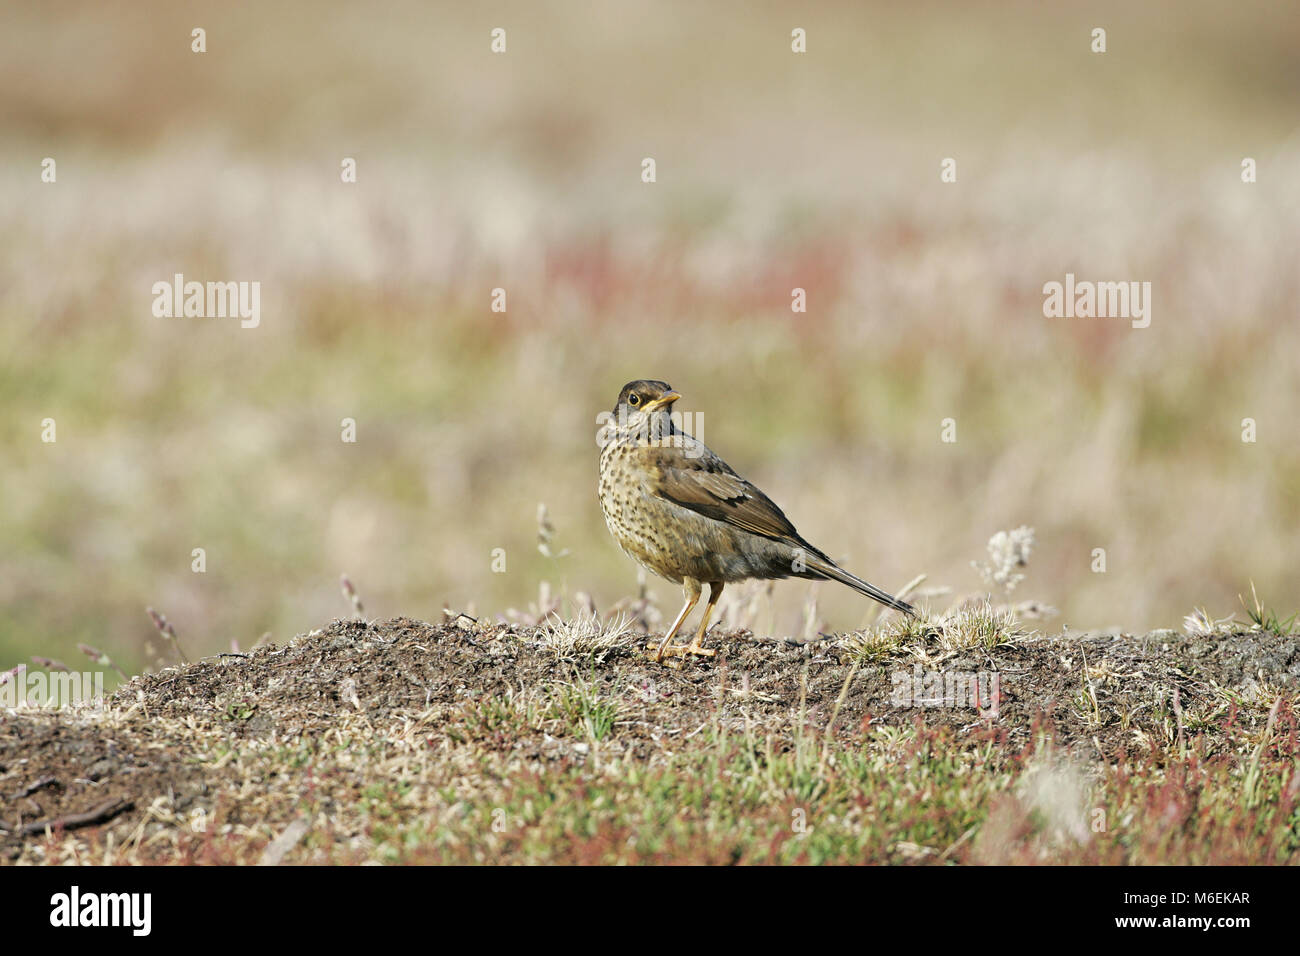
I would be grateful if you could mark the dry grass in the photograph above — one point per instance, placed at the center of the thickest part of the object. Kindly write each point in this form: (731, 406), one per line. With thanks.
(586, 635)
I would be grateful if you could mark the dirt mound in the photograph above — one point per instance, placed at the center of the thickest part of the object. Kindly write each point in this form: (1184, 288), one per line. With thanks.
(233, 743)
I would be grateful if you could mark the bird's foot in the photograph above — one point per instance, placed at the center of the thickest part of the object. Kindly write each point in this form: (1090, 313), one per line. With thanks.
(682, 650)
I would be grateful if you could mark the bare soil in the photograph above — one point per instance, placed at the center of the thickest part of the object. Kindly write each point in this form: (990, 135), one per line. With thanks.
(152, 757)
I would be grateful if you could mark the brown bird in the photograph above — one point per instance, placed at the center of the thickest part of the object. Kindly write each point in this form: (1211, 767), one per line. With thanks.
(682, 512)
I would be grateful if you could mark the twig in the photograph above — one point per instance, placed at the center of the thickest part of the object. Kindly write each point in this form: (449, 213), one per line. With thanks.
(959, 841)
(31, 788)
(830, 724)
(1178, 713)
(286, 841)
(100, 814)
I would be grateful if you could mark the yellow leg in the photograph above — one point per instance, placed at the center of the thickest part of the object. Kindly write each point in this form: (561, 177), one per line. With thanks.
(692, 591)
(715, 591)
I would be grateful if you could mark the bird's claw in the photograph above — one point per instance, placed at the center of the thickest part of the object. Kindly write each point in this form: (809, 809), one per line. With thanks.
(682, 650)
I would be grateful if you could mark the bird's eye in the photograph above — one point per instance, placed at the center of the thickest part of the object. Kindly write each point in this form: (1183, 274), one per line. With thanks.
(634, 399)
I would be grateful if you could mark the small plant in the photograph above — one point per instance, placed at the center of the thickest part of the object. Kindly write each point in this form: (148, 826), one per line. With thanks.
(583, 710)
(585, 634)
(1200, 624)
(1266, 619)
(1085, 703)
(546, 605)
(1008, 551)
(872, 645)
(350, 593)
(979, 625)
(164, 628)
(599, 718)
(239, 710)
(103, 660)
(507, 715)
(546, 534)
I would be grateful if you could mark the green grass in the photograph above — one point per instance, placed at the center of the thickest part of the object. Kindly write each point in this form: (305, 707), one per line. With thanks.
(1266, 618)
(901, 796)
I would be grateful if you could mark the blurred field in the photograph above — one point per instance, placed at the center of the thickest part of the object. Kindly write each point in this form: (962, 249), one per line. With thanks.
(522, 171)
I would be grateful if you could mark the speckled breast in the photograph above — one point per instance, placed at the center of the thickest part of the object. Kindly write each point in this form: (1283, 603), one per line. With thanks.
(632, 514)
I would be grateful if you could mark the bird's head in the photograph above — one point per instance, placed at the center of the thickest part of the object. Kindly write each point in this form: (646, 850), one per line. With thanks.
(644, 397)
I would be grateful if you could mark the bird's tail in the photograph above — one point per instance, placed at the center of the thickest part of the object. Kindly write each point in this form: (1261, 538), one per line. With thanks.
(830, 569)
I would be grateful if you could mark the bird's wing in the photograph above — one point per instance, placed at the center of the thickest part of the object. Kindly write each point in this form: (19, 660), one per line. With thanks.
(706, 484)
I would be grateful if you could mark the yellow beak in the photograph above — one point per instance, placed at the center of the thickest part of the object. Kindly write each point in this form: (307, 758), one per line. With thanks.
(667, 398)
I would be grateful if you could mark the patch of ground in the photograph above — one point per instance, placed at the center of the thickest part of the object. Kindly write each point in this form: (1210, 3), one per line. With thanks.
(470, 741)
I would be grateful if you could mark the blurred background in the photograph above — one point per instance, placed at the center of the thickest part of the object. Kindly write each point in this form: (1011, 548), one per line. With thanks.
(522, 171)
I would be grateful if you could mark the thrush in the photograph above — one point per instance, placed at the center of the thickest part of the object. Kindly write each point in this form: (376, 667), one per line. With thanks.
(682, 512)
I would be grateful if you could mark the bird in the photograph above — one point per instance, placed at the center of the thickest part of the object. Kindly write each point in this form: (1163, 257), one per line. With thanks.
(680, 511)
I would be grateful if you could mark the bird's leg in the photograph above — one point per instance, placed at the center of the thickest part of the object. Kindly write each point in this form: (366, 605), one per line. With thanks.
(692, 592)
(715, 592)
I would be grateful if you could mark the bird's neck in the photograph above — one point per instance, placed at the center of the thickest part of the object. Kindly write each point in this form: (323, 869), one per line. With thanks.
(657, 428)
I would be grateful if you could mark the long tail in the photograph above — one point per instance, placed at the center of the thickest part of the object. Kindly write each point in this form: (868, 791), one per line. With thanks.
(836, 573)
